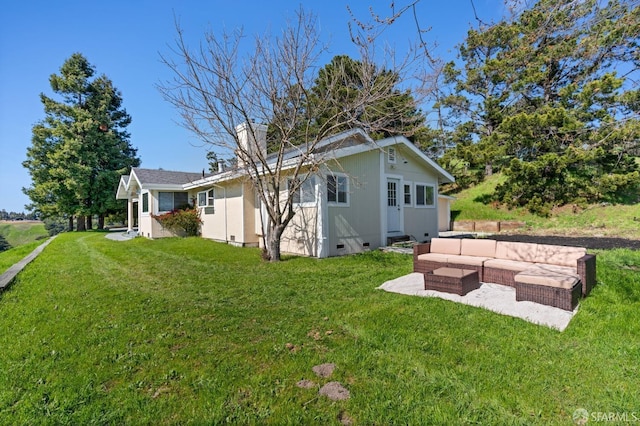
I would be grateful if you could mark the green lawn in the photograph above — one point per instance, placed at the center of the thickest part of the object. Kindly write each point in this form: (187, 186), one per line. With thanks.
(180, 331)
(14, 255)
(19, 233)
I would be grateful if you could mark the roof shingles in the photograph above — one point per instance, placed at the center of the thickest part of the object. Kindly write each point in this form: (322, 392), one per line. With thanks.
(165, 177)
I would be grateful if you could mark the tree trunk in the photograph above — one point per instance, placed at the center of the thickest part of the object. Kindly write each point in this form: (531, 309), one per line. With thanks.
(81, 224)
(488, 169)
(70, 228)
(90, 222)
(273, 242)
(101, 222)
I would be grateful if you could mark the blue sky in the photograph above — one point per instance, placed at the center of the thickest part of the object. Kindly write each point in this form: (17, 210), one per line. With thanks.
(124, 38)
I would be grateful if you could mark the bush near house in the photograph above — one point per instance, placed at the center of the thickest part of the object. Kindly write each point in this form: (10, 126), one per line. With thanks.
(181, 222)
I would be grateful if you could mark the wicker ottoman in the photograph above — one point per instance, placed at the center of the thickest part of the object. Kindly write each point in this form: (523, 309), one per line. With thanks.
(558, 291)
(452, 280)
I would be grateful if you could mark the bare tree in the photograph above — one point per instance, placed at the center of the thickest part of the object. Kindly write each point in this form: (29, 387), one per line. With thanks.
(216, 89)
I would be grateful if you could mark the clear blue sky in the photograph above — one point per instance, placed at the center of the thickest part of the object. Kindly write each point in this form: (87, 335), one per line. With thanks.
(123, 39)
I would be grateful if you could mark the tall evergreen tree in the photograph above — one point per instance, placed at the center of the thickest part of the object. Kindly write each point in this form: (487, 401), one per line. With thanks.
(341, 81)
(80, 148)
(542, 96)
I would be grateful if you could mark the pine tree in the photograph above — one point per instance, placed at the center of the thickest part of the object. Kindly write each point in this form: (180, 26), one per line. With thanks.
(81, 147)
(4, 244)
(540, 97)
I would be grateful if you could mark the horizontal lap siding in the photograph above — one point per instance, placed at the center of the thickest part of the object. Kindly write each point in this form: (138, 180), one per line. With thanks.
(418, 221)
(360, 222)
(300, 236)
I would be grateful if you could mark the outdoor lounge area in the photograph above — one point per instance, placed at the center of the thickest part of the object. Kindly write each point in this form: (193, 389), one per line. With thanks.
(552, 275)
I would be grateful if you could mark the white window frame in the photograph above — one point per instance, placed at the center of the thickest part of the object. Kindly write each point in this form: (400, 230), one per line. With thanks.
(209, 196)
(174, 200)
(404, 194)
(337, 177)
(425, 185)
(308, 186)
(392, 155)
(142, 197)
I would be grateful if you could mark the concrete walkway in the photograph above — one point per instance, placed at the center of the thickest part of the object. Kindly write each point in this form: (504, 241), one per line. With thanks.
(494, 297)
(7, 277)
(121, 234)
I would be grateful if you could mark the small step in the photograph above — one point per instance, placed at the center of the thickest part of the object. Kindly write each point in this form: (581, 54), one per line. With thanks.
(398, 239)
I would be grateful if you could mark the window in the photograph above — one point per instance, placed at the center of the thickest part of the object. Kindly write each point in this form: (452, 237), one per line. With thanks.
(168, 201)
(205, 198)
(407, 194)
(145, 202)
(337, 189)
(425, 195)
(391, 155)
(305, 193)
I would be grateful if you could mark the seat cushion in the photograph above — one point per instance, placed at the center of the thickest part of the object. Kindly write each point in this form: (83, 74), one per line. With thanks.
(468, 260)
(445, 245)
(543, 268)
(547, 279)
(509, 265)
(523, 252)
(434, 257)
(559, 255)
(480, 247)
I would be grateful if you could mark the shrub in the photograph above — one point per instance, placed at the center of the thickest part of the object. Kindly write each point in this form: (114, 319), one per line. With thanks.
(55, 225)
(4, 244)
(186, 220)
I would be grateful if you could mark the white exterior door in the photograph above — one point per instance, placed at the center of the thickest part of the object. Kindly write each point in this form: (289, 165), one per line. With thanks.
(393, 206)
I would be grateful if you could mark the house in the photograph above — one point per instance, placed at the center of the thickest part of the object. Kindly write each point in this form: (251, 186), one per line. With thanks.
(153, 191)
(364, 193)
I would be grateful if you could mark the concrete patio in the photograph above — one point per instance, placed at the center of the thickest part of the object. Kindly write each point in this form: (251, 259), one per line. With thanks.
(494, 297)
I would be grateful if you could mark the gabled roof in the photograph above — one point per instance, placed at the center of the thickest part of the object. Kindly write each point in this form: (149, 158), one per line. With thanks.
(164, 177)
(155, 179)
(343, 144)
(445, 177)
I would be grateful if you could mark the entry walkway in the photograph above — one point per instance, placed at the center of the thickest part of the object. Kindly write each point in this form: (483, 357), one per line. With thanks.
(121, 234)
(494, 297)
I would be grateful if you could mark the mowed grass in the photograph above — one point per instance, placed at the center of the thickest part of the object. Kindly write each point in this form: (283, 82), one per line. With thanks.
(22, 232)
(597, 220)
(14, 255)
(179, 331)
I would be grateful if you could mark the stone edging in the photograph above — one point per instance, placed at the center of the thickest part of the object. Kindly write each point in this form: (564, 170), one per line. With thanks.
(7, 277)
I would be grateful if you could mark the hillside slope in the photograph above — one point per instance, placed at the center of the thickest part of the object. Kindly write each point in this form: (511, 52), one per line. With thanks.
(18, 233)
(595, 220)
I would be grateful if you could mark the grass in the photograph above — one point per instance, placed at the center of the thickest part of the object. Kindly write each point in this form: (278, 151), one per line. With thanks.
(178, 331)
(596, 220)
(14, 255)
(19, 233)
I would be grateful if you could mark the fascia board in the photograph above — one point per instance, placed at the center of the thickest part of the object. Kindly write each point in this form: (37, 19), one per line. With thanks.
(168, 187)
(394, 140)
(215, 179)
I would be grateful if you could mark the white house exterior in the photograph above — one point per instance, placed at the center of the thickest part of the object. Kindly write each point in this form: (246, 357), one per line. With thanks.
(363, 193)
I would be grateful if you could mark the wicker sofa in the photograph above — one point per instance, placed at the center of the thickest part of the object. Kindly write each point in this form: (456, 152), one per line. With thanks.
(549, 274)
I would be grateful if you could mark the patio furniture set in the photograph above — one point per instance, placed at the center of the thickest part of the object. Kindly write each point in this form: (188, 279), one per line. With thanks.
(552, 275)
